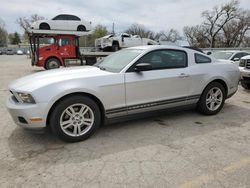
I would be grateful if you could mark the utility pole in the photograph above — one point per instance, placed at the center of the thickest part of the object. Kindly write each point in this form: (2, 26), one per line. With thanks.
(113, 28)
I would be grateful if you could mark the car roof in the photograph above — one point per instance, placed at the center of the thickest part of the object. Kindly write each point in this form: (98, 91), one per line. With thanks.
(159, 47)
(65, 15)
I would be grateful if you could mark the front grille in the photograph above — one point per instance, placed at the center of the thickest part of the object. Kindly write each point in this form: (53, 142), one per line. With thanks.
(248, 64)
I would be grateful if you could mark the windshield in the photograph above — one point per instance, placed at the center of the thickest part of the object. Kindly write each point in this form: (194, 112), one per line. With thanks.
(117, 61)
(222, 55)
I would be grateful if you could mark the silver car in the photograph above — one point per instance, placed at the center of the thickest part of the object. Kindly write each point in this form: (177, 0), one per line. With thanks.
(74, 102)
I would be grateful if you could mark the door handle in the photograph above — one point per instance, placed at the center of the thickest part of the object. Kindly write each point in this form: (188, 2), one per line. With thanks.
(183, 75)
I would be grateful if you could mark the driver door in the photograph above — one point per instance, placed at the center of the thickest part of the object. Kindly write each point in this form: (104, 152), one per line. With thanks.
(166, 85)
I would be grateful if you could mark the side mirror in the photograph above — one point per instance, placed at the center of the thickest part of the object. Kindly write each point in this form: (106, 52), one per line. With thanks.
(209, 53)
(143, 67)
(236, 59)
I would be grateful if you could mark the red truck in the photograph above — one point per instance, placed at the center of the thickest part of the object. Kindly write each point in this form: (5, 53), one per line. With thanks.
(60, 47)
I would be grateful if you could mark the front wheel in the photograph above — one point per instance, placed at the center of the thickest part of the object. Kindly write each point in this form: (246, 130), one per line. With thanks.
(75, 118)
(212, 99)
(115, 47)
(52, 63)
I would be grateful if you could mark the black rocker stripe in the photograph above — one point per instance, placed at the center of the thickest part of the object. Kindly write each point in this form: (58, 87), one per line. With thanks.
(151, 104)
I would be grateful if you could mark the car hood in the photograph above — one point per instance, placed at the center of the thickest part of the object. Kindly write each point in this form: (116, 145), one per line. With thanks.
(34, 81)
(107, 36)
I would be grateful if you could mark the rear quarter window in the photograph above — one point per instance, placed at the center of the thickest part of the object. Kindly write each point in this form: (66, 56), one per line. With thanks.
(202, 59)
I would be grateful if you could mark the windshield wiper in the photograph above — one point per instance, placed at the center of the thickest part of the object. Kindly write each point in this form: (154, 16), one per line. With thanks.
(101, 68)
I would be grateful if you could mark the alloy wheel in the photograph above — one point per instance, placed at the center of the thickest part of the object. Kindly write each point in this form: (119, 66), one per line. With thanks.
(76, 120)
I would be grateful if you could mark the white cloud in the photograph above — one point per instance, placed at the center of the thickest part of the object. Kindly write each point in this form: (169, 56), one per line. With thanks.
(155, 15)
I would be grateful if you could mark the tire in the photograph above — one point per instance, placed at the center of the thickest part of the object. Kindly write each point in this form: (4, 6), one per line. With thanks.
(71, 127)
(245, 86)
(212, 99)
(52, 63)
(81, 28)
(44, 26)
(115, 47)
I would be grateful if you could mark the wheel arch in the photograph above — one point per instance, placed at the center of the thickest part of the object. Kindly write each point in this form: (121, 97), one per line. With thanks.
(53, 57)
(116, 42)
(91, 96)
(44, 23)
(81, 25)
(222, 82)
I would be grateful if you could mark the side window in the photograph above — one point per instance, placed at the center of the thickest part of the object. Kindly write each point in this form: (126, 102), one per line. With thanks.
(202, 59)
(72, 17)
(239, 55)
(59, 17)
(164, 59)
(125, 36)
(64, 41)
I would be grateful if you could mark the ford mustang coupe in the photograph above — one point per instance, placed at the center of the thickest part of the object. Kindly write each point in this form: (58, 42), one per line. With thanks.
(75, 101)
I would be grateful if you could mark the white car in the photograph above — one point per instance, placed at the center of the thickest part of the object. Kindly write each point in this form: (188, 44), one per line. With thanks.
(75, 101)
(124, 40)
(63, 22)
(19, 52)
(245, 72)
(232, 55)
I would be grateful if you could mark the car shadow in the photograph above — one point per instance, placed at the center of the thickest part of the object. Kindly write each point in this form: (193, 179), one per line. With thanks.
(168, 130)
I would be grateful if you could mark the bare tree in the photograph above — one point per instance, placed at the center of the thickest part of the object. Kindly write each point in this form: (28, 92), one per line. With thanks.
(137, 29)
(196, 36)
(224, 26)
(234, 31)
(216, 19)
(25, 23)
(171, 35)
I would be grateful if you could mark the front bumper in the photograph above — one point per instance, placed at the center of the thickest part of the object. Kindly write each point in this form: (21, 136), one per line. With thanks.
(28, 116)
(245, 75)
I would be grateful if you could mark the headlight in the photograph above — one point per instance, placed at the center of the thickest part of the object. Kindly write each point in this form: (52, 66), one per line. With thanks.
(242, 63)
(26, 98)
(40, 58)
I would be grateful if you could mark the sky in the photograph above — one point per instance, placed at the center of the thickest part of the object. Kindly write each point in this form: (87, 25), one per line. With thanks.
(155, 15)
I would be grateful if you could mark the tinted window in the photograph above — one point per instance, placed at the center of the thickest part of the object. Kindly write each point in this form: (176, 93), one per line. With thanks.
(125, 36)
(201, 59)
(66, 17)
(59, 17)
(162, 59)
(72, 17)
(239, 55)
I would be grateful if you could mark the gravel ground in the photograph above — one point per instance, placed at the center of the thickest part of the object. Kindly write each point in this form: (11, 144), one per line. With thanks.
(181, 149)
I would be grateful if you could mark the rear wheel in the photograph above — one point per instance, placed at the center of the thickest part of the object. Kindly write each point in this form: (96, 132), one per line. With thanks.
(44, 26)
(245, 86)
(81, 28)
(212, 99)
(52, 63)
(75, 118)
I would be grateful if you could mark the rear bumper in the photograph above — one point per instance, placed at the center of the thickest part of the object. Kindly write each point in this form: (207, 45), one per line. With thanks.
(28, 116)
